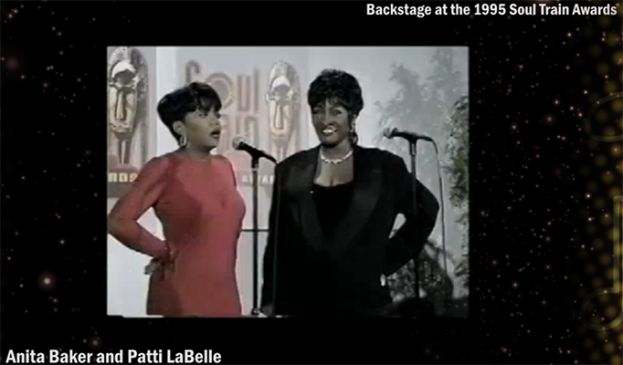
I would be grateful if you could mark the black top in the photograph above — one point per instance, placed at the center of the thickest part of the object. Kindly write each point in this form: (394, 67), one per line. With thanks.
(332, 204)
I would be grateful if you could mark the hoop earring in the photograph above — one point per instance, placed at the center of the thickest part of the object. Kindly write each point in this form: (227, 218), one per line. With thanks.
(353, 136)
(183, 141)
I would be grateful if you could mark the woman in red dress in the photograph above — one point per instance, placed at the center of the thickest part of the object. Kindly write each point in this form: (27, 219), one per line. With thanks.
(193, 193)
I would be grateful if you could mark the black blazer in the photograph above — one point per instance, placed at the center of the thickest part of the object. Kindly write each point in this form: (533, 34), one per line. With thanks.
(342, 277)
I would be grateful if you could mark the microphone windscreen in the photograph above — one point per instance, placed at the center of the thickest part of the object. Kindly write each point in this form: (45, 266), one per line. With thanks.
(236, 142)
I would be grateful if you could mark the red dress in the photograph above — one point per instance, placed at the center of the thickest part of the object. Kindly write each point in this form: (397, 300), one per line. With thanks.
(201, 212)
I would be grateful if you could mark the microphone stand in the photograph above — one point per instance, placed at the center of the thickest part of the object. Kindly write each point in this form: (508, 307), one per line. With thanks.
(239, 144)
(275, 312)
(254, 167)
(416, 285)
(412, 138)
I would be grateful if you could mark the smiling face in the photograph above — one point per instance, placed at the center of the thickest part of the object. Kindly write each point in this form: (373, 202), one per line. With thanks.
(332, 123)
(335, 101)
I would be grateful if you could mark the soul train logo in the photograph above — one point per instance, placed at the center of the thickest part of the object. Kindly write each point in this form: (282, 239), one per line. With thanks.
(264, 110)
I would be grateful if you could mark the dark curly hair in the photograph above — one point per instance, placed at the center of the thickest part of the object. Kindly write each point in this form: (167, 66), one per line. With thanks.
(336, 86)
(195, 96)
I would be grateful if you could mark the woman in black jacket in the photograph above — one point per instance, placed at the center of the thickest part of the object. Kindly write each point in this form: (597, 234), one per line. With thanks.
(333, 210)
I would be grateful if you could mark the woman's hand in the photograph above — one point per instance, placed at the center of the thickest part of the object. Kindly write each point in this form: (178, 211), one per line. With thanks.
(152, 267)
(165, 261)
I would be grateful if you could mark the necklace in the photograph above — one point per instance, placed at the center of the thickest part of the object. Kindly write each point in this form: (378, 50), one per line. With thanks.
(335, 161)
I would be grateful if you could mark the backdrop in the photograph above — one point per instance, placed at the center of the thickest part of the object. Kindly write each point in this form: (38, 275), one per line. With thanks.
(421, 89)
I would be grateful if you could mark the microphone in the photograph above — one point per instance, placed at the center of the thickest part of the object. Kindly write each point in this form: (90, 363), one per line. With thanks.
(409, 136)
(239, 144)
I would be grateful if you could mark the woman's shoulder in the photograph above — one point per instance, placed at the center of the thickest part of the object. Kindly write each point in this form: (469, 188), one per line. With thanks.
(157, 163)
(153, 171)
(224, 162)
(298, 157)
(369, 153)
(172, 160)
(375, 153)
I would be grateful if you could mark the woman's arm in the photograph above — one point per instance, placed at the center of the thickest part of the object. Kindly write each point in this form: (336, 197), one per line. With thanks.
(144, 193)
(411, 237)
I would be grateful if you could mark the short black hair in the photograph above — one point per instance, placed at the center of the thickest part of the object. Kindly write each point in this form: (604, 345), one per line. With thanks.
(195, 96)
(336, 86)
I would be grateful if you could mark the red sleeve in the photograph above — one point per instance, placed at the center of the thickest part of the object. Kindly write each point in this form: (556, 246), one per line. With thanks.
(145, 192)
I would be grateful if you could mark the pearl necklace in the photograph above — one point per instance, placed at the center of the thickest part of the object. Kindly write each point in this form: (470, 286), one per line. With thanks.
(335, 161)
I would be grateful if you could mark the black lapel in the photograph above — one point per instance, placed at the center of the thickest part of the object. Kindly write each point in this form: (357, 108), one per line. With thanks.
(368, 181)
(366, 191)
(300, 183)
